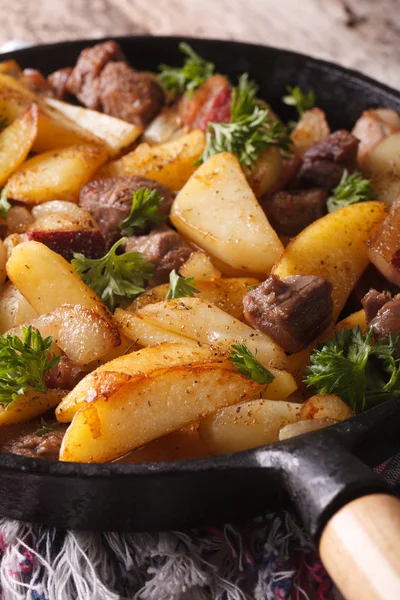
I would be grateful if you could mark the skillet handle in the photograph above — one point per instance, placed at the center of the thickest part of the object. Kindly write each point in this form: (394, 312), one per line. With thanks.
(360, 548)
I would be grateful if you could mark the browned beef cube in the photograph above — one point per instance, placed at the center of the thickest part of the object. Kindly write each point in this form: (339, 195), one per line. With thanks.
(293, 311)
(66, 375)
(88, 242)
(373, 302)
(58, 82)
(164, 248)
(109, 202)
(289, 212)
(382, 313)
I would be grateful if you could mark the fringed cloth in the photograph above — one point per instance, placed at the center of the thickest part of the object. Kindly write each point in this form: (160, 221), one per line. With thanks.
(269, 558)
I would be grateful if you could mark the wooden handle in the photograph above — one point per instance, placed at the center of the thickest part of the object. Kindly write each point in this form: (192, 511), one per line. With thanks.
(360, 548)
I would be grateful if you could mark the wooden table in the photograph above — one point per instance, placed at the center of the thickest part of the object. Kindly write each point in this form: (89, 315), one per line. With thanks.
(362, 34)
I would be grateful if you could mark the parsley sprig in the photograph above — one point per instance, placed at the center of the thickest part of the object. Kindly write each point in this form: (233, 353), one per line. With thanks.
(46, 427)
(179, 287)
(249, 131)
(144, 210)
(352, 188)
(361, 373)
(248, 365)
(194, 72)
(24, 364)
(115, 276)
(4, 204)
(300, 100)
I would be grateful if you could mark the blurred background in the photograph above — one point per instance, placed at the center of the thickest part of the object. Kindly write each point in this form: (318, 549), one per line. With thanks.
(362, 34)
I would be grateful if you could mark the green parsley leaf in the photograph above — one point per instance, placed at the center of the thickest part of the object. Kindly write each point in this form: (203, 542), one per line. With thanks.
(46, 427)
(350, 190)
(193, 74)
(302, 101)
(24, 364)
(144, 209)
(348, 365)
(248, 365)
(115, 276)
(179, 287)
(4, 204)
(249, 131)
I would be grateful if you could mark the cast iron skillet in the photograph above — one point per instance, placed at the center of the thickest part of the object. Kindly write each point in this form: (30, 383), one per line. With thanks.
(318, 472)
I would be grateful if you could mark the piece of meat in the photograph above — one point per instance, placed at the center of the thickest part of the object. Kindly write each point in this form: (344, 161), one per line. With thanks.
(289, 212)
(293, 311)
(58, 82)
(290, 166)
(164, 248)
(128, 94)
(37, 83)
(66, 375)
(210, 102)
(324, 163)
(384, 247)
(90, 243)
(22, 439)
(373, 302)
(109, 202)
(372, 127)
(83, 82)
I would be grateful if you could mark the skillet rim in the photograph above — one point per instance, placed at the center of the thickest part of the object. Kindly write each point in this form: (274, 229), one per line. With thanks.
(48, 467)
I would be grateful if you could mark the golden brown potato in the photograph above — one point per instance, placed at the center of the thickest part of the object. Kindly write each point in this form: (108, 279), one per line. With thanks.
(300, 427)
(382, 166)
(200, 267)
(372, 127)
(356, 319)
(311, 129)
(265, 172)
(14, 308)
(247, 425)
(16, 141)
(11, 68)
(171, 163)
(29, 406)
(18, 219)
(321, 406)
(384, 246)
(217, 211)
(334, 247)
(145, 407)
(55, 174)
(61, 215)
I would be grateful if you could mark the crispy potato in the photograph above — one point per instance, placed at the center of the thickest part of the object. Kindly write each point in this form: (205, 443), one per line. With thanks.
(217, 211)
(171, 163)
(29, 406)
(200, 267)
(58, 215)
(55, 174)
(146, 407)
(115, 133)
(11, 68)
(265, 172)
(356, 319)
(300, 427)
(48, 281)
(382, 166)
(54, 129)
(384, 246)
(203, 322)
(334, 247)
(311, 129)
(372, 127)
(321, 406)
(247, 425)
(227, 294)
(144, 332)
(167, 125)
(14, 309)
(3, 261)
(81, 333)
(16, 141)
(18, 219)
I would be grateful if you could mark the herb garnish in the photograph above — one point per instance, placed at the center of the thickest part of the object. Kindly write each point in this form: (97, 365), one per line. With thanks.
(248, 365)
(4, 204)
(179, 287)
(115, 276)
(195, 71)
(349, 365)
(300, 100)
(46, 427)
(144, 208)
(24, 364)
(249, 131)
(350, 190)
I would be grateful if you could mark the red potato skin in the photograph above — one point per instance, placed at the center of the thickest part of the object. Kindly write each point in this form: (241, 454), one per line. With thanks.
(89, 243)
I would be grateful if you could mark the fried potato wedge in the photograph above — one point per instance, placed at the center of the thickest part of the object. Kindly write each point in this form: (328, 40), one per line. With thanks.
(54, 129)
(81, 333)
(321, 406)
(146, 407)
(247, 425)
(311, 129)
(14, 308)
(3, 261)
(16, 141)
(225, 293)
(171, 163)
(57, 174)
(30, 405)
(293, 429)
(356, 319)
(48, 281)
(199, 266)
(11, 68)
(115, 133)
(266, 171)
(381, 165)
(217, 211)
(334, 247)
(206, 323)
